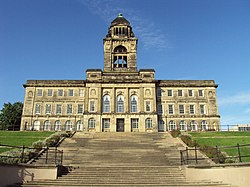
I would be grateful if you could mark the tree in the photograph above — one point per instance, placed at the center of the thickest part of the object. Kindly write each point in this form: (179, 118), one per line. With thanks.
(10, 116)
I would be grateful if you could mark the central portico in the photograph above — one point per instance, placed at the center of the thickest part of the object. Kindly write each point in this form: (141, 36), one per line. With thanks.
(124, 90)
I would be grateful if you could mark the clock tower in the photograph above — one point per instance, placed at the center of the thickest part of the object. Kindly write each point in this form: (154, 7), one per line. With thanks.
(120, 47)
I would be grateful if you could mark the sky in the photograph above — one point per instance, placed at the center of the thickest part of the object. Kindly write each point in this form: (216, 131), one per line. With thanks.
(180, 39)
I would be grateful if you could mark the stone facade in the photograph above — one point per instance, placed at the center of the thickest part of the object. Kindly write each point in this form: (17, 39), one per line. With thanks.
(120, 98)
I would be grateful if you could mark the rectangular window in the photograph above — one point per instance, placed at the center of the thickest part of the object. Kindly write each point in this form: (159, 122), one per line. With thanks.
(80, 108)
(180, 93)
(47, 109)
(106, 123)
(58, 109)
(92, 106)
(200, 93)
(71, 92)
(148, 108)
(38, 109)
(159, 109)
(171, 109)
(60, 92)
(50, 92)
(134, 123)
(202, 109)
(81, 93)
(191, 109)
(190, 93)
(39, 92)
(69, 109)
(170, 93)
(181, 109)
(159, 92)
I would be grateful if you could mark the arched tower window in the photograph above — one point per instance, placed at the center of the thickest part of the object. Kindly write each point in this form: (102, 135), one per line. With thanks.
(120, 103)
(120, 57)
(106, 103)
(133, 103)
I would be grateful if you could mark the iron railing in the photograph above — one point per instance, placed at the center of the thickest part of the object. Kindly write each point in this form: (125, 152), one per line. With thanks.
(191, 154)
(24, 154)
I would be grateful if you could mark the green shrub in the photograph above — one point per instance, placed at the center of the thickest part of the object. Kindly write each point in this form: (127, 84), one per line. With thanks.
(216, 155)
(38, 144)
(175, 133)
(50, 141)
(187, 139)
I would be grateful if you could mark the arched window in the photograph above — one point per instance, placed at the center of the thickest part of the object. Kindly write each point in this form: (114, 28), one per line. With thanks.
(91, 123)
(204, 125)
(171, 125)
(148, 123)
(79, 125)
(133, 103)
(106, 103)
(120, 57)
(47, 125)
(183, 125)
(68, 125)
(57, 125)
(193, 125)
(36, 126)
(120, 103)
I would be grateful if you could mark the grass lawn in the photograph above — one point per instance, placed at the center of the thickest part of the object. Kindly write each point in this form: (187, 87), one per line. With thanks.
(20, 138)
(225, 139)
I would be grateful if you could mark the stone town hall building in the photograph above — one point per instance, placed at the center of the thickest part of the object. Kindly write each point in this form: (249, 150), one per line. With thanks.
(120, 98)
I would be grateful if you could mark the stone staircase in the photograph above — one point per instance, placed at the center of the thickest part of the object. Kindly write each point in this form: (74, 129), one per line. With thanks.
(122, 159)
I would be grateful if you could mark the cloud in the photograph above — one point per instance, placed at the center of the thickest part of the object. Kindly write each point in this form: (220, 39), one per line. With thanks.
(149, 35)
(243, 98)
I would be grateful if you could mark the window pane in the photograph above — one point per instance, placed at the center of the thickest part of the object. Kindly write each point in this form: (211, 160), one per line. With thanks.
(170, 92)
(120, 104)
(48, 109)
(69, 109)
(81, 92)
(58, 109)
(91, 123)
(49, 92)
(68, 125)
(159, 109)
(180, 93)
(134, 123)
(148, 107)
(38, 109)
(202, 109)
(133, 104)
(148, 123)
(80, 108)
(181, 109)
(201, 93)
(191, 109)
(71, 92)
(159, 92)
(171, 109)
(92, 106)
(39, 92)
(190, 93)
(106, 123)
(57, 125)
(106, 103)
(60, 92)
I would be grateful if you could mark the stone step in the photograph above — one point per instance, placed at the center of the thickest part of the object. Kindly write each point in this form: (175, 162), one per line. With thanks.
(122, 159)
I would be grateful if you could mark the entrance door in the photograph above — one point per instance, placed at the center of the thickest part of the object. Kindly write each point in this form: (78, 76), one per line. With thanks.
(119, 125)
